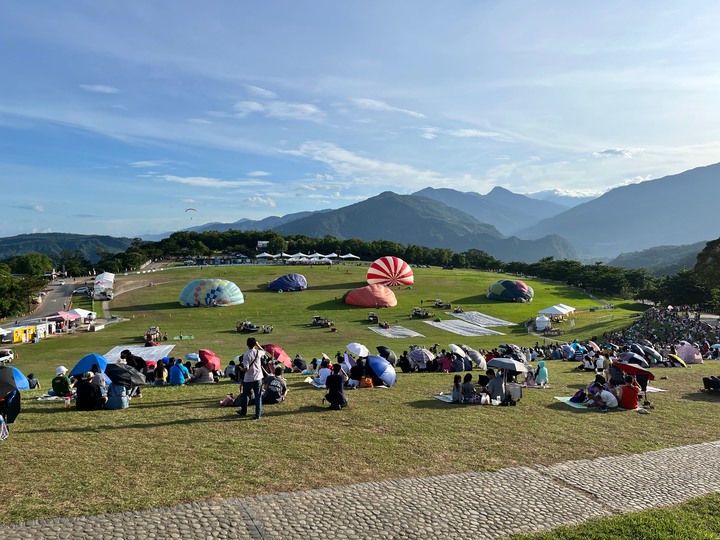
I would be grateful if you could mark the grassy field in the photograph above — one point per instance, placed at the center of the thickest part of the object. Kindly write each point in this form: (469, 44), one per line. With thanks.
(177, 445)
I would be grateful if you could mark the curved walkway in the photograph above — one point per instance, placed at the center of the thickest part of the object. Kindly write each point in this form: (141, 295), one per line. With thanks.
(478, 505)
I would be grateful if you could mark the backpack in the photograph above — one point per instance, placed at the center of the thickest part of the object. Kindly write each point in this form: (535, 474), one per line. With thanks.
(579, 396)
(366, 382)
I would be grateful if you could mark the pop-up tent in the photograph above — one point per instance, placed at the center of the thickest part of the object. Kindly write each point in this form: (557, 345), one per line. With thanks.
(289, 282)
(542, 322)
(374, 296)
(552, 311)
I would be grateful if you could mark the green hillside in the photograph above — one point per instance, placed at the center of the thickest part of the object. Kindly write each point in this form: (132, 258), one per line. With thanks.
(53, 244)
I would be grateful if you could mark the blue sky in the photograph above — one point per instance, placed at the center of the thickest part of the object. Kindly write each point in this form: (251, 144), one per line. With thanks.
(115, 117)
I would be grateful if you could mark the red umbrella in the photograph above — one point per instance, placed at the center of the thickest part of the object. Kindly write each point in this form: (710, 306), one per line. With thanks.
(634, 369)
(209, 359)
(278, 354)
(151, 364)
(594, 346)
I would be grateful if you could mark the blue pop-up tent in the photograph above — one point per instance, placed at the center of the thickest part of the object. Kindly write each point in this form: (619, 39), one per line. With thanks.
(288, 283)
(86, 363)
(383, 369)
(20, 380)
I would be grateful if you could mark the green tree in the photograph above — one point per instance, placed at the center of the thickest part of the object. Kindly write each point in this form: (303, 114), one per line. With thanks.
(32, 264)
(707, 267)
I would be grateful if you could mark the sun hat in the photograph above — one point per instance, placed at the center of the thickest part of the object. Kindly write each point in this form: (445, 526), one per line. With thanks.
(61, 370)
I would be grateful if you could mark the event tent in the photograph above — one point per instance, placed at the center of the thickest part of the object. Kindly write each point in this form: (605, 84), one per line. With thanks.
(552, 310)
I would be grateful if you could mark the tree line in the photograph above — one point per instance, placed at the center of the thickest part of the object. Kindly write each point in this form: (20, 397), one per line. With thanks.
(697, 286)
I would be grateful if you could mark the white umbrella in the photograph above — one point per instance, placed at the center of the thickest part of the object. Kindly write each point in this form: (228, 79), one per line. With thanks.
(358, 349)
(507, 364)
(457, 350)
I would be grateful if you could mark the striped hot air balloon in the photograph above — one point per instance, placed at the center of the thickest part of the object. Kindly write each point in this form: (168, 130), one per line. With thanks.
(390, 271)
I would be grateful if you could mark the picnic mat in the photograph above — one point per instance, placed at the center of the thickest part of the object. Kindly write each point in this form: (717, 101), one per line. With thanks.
(47, 397)
(395, 332)
(447, 398)
(566, 401)
(652, 389)
(475, 317)
(312, 382)
(463, 328)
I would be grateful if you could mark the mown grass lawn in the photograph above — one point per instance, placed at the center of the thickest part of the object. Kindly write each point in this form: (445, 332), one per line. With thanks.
(177, 444)
(698, 519)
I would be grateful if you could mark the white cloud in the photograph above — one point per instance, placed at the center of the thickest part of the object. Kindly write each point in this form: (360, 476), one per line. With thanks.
(256, 174)
(202, 181)
(188, 201)
(261, 201)
(294, 111)
(260, 92)
(99, 89)
(431, 133)
(34, 207)
(243, 108)
(199, 121)
(618, 152)
(375, 105)
(147, 164)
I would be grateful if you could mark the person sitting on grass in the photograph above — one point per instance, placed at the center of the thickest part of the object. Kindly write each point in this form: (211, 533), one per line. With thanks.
(468, 389)
(89, 396)
(161, 374)
(628, 394)
(496, 386)
(275, 388)
(202, 374)
(604, 399)
(230, 371)
(335, 384)
(33, 382)
(176, 375)
(541, 375)
(61, 384)
(117, 396)
(356, 373)
(457, 389)
(299, 365)
(323, 373)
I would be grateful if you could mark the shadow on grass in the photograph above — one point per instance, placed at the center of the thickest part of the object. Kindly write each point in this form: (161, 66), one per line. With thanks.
(334, 305)
(707, 397)
(146, 307)
(478, 299)
(432, 403)
(558, 406)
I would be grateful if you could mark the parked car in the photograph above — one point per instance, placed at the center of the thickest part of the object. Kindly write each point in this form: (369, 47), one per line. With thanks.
(81, 290)
(6, 356)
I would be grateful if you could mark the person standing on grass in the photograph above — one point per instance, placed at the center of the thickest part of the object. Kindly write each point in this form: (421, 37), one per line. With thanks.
(252, 379)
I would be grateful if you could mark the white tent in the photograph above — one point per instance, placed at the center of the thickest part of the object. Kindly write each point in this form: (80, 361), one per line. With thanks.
(105, 280)
(316, 255)
(349, 256)
(265, 255)
(299, 255)
(332, 255)
(83, 313)
(552, 310)
(567, 309)
(542, 322)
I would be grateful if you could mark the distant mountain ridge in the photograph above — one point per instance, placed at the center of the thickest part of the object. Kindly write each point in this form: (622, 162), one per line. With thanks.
(52, 244)
(412, 219)
(674, 210)
(560, 197)
(661, 260)
(507, 211)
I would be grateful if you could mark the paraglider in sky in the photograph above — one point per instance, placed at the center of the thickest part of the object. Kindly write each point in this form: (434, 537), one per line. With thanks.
(390, 271)
(507, 290)
(211, 292)
(374, 296)
(289, 282)
(191, 210)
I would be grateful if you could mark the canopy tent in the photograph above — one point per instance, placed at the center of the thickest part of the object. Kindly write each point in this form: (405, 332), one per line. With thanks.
(552, 310)
(542, 322)
(332, 255)
(299, 255)
(349, 256)
(265, 255)
(316, 255)
(63, 316)
(83, 313)
(568, 309)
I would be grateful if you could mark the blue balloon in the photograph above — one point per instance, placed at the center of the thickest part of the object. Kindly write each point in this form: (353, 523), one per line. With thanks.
(289, 282)
(383, 369)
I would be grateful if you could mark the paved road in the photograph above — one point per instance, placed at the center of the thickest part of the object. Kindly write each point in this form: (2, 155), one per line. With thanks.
(482, 505)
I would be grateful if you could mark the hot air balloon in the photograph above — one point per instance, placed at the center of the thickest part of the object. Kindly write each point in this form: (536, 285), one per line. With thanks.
(390, 271)
(289, 282)
(211, 292)
(508, 290)
(375, 296)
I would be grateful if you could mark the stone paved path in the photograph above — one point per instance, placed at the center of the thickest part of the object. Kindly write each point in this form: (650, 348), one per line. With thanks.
(482, 505)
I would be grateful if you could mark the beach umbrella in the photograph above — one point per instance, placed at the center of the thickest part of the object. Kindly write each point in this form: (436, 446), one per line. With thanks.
(594, 346)
(476, 357)
(387, 353)
(357, 349)
(633, 358)
(567, 349)
(689, 354)
(636, 348)
(677, 359)
(633, 369)
(652, 352)
(86, 363)
(210, 360)
(124, 375)
(278, 354)
(457, 350)
(192, 356)
(7, 381)
(383, 369)
(421, 355)
(508, 364)
(716, 346)
(645, 342)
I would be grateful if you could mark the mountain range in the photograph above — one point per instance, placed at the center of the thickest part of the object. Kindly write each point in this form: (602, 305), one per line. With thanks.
(53, 244)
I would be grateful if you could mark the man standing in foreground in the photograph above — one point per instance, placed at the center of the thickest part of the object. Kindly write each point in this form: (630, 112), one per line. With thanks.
(252, 378)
